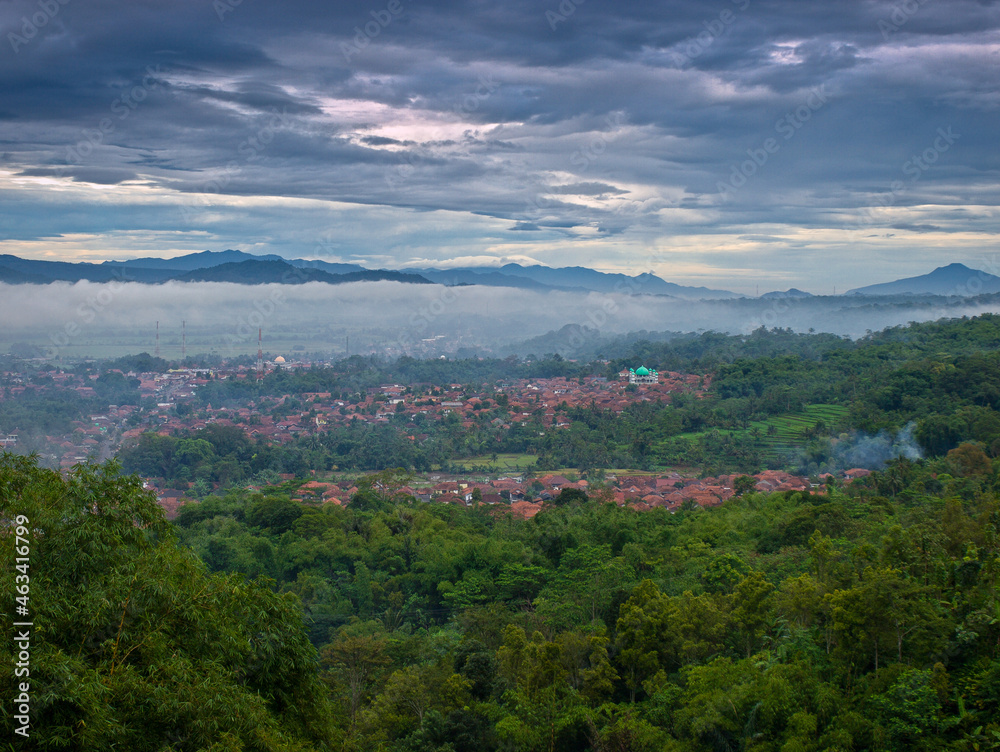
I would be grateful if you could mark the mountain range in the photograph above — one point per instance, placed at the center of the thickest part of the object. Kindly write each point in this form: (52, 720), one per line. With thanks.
(238, 267)
(281, 272)
(569, 278)
(209, 266)
(244, 268)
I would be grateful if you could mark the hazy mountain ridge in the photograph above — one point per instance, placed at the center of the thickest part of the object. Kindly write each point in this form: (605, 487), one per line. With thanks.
(281, 272)
(246, 268)
(18, 277)
(953, 279)
(239, 267)
(193, 261)
(590, 279)
(230, 266)
(791, 292)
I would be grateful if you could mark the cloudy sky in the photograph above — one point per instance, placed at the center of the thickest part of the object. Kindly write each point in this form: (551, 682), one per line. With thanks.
(732, 143)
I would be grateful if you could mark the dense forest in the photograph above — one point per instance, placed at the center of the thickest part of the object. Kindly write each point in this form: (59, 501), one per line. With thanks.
(865, 617)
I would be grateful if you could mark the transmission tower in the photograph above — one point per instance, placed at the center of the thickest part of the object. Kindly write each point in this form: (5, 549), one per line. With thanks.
(260, 356)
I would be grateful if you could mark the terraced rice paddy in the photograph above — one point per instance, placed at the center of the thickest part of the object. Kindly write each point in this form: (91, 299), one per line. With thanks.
(789, 431)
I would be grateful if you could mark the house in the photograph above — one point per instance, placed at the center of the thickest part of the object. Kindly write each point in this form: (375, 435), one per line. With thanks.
(525, 510)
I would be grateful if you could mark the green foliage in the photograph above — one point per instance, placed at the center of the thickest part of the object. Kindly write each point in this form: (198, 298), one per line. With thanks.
(776, 621)
(863, 617)
(135, 645)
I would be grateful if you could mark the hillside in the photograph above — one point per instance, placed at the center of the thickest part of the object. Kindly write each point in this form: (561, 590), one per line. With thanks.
(590, 279)
(953, 279)
(17, 277)
(256, 273)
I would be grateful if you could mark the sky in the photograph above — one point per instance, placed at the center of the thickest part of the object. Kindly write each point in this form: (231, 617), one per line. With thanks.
(740, 144)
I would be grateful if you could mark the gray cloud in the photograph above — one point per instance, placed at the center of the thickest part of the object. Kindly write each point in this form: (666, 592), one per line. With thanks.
(618, 123)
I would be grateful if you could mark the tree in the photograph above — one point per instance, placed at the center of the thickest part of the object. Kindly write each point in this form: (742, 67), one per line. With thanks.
(909, 711)
(275, 513)
(136, 645)
(642, 632)
(744, 484)
(724, 572)
(751, 607)
(969, 459)
(569, 496)
(880, 613)
(355, 663)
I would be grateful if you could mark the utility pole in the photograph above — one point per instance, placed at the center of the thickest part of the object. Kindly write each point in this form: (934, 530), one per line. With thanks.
(260, 355)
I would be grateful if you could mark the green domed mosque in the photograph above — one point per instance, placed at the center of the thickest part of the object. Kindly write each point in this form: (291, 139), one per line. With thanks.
(643, 375)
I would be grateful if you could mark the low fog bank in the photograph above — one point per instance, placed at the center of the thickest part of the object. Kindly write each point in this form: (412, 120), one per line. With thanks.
(393, 318)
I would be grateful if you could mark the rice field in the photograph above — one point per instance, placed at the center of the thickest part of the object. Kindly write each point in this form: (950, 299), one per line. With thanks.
(789, 431)
(503, 461)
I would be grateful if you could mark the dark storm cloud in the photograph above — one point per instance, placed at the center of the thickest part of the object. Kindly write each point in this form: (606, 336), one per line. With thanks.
(95, 175)
(632, 121)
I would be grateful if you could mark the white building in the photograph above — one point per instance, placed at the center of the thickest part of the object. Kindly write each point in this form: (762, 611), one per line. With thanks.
(643, 375)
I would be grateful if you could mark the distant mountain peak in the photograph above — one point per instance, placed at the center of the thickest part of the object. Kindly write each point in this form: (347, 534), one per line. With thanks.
(954, 279)
(791, 292)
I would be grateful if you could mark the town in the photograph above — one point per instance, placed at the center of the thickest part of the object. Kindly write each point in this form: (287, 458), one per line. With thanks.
(168, 406)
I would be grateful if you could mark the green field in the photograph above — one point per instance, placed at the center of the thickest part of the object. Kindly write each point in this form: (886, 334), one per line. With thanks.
(503, 461)
(789, 430)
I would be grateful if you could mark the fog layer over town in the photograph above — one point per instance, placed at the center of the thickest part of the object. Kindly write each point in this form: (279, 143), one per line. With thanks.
(392, 318)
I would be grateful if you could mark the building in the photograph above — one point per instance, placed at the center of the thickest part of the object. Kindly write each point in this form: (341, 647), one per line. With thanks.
(643, 375)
